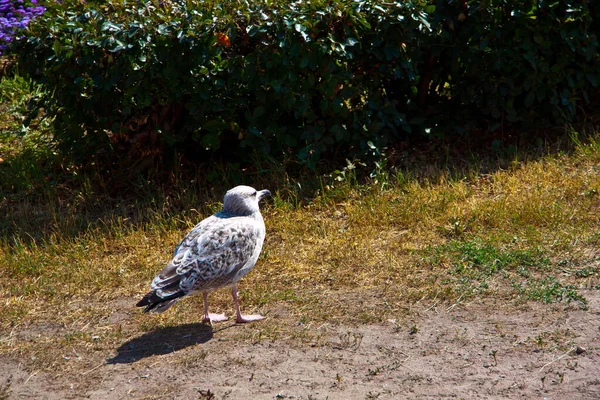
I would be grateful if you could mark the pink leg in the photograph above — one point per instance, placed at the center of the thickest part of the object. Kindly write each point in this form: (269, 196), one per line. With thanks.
(239, 317)
(210, 318)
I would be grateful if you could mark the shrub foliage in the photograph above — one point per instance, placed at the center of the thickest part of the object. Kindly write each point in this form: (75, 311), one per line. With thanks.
(305, 79)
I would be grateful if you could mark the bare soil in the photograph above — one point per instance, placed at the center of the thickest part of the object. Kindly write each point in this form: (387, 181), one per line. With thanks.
(478, 350)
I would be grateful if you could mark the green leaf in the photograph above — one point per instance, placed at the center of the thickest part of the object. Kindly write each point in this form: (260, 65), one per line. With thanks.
(258, 112)
(214, 126)
(529, 99)
(351, 41)
(303, 61)
(57, 46)
(302, 30)
(109, 26)
(592, 79)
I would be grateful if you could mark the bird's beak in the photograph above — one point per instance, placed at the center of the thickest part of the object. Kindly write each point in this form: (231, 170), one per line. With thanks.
(263, 193)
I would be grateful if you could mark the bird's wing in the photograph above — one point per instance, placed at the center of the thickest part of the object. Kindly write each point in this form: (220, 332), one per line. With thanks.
(210, 255)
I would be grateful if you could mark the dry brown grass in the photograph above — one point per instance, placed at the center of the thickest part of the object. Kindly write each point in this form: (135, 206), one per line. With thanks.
(351, 254)
(367, 258)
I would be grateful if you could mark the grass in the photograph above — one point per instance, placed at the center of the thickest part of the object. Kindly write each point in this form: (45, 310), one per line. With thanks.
(476, 268)
(75, 258)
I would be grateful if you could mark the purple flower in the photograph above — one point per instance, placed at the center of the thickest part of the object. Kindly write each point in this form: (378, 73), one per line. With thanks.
(14, 16)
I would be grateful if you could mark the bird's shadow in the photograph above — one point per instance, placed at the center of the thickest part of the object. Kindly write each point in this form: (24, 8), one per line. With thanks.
(162, 341)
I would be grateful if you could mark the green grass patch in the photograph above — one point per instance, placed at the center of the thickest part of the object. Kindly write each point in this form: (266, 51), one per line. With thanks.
(26, 155)
(550, 290)
(476, 267)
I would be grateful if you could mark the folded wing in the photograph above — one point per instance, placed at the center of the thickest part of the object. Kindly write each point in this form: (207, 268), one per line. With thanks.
(209, 257)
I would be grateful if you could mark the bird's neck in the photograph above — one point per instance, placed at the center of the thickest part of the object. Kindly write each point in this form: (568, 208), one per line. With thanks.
(229, 214)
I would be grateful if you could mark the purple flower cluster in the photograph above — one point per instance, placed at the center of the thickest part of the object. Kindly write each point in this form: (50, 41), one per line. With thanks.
(15, 15)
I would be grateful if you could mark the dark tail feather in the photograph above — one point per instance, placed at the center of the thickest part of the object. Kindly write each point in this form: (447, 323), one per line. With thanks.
(152, 301)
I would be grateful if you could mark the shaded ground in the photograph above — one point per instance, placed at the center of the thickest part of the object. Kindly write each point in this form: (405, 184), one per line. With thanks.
(477, 350)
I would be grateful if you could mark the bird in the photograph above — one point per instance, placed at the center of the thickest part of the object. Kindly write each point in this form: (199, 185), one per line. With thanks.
(216, 253)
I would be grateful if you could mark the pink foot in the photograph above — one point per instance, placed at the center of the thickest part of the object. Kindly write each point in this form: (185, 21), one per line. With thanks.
(241, 319)
(214, 318)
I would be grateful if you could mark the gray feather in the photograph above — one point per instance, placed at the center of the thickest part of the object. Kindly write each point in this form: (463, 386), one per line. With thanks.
(216, 253)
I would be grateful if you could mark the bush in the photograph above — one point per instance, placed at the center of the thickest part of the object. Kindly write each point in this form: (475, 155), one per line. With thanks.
(303, 79)
(516, 61)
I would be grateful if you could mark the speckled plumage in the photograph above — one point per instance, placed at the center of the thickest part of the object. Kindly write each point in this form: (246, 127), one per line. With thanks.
(216, 253)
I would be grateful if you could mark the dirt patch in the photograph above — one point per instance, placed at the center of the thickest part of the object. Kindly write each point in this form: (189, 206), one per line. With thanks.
(479, 350)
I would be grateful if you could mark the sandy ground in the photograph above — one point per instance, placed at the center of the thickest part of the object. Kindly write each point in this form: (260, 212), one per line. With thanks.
(479, 350)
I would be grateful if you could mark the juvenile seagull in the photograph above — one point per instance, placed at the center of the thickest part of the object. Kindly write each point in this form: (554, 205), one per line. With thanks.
(217, 253)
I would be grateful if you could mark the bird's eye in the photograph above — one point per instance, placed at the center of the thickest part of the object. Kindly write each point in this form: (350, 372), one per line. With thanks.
(253, 194)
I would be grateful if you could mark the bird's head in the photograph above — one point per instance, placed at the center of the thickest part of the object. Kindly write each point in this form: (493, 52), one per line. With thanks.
(243, 200)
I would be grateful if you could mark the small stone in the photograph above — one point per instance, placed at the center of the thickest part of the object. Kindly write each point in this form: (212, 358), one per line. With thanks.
(580, 350)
